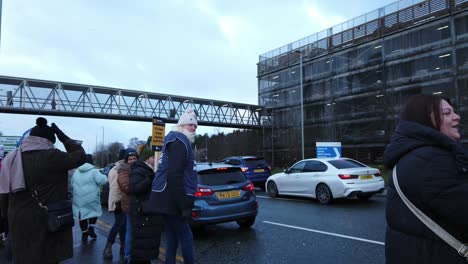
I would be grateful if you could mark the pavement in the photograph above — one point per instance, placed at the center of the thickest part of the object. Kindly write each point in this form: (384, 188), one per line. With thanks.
(91, 250)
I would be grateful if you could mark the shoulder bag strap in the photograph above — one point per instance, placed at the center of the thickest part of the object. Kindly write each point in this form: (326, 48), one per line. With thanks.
(35, 196)
(461, 248)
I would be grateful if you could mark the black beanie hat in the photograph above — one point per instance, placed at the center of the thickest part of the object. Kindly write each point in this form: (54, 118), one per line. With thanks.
(130, 152)
(90, 159)
(43, 130)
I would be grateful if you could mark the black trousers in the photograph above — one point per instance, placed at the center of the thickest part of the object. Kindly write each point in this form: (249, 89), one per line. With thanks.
(84, 224)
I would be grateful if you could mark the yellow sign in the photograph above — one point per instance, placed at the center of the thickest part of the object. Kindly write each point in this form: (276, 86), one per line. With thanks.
(157, 137)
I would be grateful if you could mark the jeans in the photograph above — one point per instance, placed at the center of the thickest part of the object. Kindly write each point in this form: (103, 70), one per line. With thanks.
(178, 230)
(118, 227)
(128, 239)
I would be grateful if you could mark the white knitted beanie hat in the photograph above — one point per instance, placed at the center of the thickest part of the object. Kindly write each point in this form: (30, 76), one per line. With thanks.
(188, 118)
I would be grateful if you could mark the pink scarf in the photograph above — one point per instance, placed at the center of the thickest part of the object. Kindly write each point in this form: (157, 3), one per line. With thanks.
(12, 174)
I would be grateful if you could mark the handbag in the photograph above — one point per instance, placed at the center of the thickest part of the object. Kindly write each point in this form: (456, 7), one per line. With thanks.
(59, 214)
(461, 248)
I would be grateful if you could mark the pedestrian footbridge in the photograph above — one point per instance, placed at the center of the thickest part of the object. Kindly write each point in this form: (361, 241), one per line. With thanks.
(42, 97)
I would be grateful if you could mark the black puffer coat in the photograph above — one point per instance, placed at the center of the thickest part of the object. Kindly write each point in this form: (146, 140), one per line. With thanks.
(45, 171)
(146, 227)
(432, 172)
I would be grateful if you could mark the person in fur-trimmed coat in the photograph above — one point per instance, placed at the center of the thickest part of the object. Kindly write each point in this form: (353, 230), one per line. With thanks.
(174, 186)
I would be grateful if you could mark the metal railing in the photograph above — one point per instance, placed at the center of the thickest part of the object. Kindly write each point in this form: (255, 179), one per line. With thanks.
(31, 96)
(371, 25)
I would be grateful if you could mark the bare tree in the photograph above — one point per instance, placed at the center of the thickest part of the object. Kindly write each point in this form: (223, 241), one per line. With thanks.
(114, 150)
(135, 142)
(107, 154)
(219, 146)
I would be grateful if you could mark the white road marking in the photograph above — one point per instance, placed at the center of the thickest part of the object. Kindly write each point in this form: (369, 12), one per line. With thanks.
(284, 199)
(326, 233)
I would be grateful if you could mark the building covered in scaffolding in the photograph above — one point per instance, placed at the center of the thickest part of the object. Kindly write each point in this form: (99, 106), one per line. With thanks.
(356, 75)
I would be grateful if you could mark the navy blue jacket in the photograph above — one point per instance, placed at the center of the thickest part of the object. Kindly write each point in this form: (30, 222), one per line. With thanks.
(175, 180)
(432, 172)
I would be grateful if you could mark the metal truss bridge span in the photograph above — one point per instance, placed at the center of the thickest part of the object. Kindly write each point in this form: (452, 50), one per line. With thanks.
(31, 96)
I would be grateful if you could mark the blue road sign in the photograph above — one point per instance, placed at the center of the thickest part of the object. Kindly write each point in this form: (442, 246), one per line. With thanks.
(328, 149)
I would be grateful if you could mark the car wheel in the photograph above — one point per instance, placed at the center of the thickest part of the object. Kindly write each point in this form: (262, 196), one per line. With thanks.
(197, 228)
(246, 223)
(272, 189)
(323, 194)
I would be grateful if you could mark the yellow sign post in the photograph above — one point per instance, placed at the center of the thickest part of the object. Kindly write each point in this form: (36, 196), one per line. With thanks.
(157, 139)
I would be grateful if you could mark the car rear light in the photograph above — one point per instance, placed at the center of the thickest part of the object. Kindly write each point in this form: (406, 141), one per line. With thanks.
(222, 168)
(203, 192)
(378, 174)
(194, 214)
(249, 187)
(347, 176)
(244, 169)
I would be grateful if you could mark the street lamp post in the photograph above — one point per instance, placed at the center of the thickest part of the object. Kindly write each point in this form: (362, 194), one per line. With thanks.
(302, 102)
(272, 139)
(206, 146)
(103, 147)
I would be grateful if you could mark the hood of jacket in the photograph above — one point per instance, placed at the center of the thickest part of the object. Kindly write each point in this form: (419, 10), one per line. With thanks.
(85, 167)
(141, 164)
(410, 135)
(118, 164)
(143, 168)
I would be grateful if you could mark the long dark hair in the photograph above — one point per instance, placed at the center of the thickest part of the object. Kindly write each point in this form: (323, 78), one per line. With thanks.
(418, 108)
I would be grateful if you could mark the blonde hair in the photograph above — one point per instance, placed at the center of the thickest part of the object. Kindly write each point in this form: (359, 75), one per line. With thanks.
(140, 148)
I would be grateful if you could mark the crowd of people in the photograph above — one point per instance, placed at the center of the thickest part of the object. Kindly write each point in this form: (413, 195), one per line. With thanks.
(43, 190)
(147, 196)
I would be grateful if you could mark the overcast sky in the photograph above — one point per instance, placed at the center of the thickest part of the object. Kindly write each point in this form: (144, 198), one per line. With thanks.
(196, 48)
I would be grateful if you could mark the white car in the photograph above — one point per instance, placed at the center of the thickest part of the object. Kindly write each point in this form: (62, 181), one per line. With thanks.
(326, 179)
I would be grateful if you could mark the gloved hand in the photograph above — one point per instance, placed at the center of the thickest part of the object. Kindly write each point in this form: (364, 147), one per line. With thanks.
(60, 135)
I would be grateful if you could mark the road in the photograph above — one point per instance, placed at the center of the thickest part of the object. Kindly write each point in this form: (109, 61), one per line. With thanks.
(287, 230)
(296, 230)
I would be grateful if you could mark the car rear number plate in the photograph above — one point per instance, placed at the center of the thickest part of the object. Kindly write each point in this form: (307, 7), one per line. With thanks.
(227, 195)
(259, 170)
(365, 177)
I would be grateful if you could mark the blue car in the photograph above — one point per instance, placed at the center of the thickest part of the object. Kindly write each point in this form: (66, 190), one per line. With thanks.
(256, 169)
(223, 195)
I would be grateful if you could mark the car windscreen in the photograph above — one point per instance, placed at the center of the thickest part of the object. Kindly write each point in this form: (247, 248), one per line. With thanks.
(255, 163)
(345, 164)
(220, 176)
